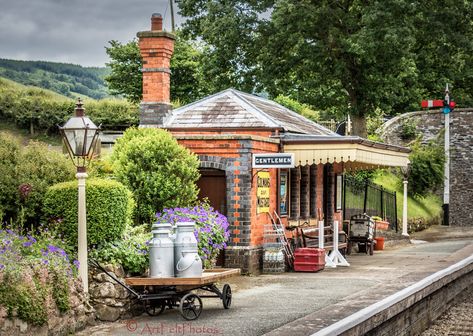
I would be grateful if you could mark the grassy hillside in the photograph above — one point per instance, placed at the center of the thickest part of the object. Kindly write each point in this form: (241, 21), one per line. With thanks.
(426, 210)
(40, 111)
(66, 79)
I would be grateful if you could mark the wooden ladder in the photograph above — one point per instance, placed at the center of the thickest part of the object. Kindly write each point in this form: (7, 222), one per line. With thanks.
(279, 229)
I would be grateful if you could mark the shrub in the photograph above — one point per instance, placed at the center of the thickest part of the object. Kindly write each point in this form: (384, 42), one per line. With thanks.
(32, 268)
(427, 165)
(109, 209)
(25, 174)
(408, 129)
(9, 157)
(160, 172)
(130, 251)
(112, 112)
(38, 169)
(211, 229)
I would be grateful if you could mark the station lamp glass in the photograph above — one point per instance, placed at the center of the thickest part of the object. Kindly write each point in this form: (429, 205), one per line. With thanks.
(80, 135)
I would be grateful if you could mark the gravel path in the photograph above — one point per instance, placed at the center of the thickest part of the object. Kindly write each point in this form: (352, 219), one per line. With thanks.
(458, 320)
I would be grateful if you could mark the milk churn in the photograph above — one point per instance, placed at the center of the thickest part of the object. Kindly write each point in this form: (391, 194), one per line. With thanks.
(186, 259)
(161, 252)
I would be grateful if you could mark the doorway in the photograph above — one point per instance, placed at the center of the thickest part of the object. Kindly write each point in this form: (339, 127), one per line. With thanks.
(212, 185)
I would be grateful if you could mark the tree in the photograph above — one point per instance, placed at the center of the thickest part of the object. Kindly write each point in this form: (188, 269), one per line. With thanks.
(345, 56)
(187, 80)
(160, 172)
(125, 77)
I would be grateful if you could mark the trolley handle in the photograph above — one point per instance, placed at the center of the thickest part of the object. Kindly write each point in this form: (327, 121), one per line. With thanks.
(94, 263)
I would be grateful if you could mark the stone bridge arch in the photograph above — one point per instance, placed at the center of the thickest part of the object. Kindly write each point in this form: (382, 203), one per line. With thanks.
(429, 124)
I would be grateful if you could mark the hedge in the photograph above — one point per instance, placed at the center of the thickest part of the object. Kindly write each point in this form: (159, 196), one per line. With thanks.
(109, 207)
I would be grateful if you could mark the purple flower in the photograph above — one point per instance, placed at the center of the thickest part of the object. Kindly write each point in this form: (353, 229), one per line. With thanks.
(76, 263)
(28, 243)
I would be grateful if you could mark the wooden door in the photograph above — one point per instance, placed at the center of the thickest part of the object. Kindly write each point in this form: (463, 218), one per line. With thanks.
(212, 185)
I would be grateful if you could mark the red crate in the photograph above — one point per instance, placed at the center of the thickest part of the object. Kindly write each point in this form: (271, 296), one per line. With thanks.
(309, 259)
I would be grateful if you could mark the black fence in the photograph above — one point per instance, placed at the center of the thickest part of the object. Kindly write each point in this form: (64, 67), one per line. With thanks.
(366, 197)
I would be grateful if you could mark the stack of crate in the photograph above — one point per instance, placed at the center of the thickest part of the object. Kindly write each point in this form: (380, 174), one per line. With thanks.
(273, 251)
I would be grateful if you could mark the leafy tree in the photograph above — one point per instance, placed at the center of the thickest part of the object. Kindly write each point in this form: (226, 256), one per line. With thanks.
(160, 172)
(342, 56)
(303, 109)
(187, 81)
(125, 77)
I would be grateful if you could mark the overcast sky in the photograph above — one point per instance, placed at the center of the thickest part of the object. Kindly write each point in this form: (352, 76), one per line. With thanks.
(73, 31)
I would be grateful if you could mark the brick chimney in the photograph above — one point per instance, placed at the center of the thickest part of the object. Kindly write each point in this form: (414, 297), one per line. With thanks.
(156, 48)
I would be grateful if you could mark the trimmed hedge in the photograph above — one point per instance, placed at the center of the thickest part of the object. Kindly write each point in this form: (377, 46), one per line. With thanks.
(161, 173)
(109, 206)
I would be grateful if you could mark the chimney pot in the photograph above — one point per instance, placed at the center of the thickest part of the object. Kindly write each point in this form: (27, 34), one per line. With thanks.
(156, 22)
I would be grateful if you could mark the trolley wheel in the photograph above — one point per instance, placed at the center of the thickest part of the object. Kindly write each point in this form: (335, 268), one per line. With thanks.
(226, 296)
(155, 307)
(371, 248)
(190, 306)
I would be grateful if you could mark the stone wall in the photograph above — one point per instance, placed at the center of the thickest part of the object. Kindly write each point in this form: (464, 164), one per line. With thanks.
(430, 124)
(110, 300)
(79, 315)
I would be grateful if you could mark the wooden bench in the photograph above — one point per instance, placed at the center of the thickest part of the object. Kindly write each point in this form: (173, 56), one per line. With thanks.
(310, 238)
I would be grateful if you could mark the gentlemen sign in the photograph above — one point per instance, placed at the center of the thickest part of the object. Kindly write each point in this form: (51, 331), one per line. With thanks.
(273, 160)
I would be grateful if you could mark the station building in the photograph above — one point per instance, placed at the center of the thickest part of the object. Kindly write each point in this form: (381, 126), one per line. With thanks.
(258, 159)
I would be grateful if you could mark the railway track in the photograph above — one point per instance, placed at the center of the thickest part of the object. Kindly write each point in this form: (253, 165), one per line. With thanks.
(455, 321)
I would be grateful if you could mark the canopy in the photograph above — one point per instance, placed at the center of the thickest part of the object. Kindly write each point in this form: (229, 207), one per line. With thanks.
(355, 152)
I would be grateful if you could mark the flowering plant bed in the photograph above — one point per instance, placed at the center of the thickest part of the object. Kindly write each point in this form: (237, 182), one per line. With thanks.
(211, 228)
(38, 281)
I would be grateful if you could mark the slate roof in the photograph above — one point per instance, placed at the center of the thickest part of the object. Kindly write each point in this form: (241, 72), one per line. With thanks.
(235, 109)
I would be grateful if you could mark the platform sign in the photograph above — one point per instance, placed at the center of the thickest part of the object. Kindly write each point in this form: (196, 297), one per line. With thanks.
(262, 192)
(273, 160)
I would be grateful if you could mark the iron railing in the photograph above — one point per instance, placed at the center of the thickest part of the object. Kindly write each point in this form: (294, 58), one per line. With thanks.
(370, 198)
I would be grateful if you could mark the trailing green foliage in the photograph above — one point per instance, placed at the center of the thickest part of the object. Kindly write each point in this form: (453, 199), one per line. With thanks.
(160, 172)
(25, 174)
(130, 250)
(427, 164)
(39, 110)
(109, 209)
(408, 129)
(65, 79)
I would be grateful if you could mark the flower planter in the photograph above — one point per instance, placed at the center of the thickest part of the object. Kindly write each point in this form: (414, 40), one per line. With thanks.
(382, 225)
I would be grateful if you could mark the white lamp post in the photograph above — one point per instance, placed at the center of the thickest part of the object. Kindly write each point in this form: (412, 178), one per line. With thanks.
(405, 170)
(80, 135)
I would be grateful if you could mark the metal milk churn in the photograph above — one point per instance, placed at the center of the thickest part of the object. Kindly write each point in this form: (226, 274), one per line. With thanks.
(161, 252)
(186, 259)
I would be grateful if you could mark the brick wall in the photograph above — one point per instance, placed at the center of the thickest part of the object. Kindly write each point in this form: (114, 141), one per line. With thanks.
(233, 154)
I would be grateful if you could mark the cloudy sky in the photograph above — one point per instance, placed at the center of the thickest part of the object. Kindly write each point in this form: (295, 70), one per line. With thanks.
(73, 31)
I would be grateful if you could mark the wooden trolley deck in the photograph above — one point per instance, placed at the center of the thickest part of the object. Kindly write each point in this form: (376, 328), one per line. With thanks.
(208, 277)
(157, 294)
